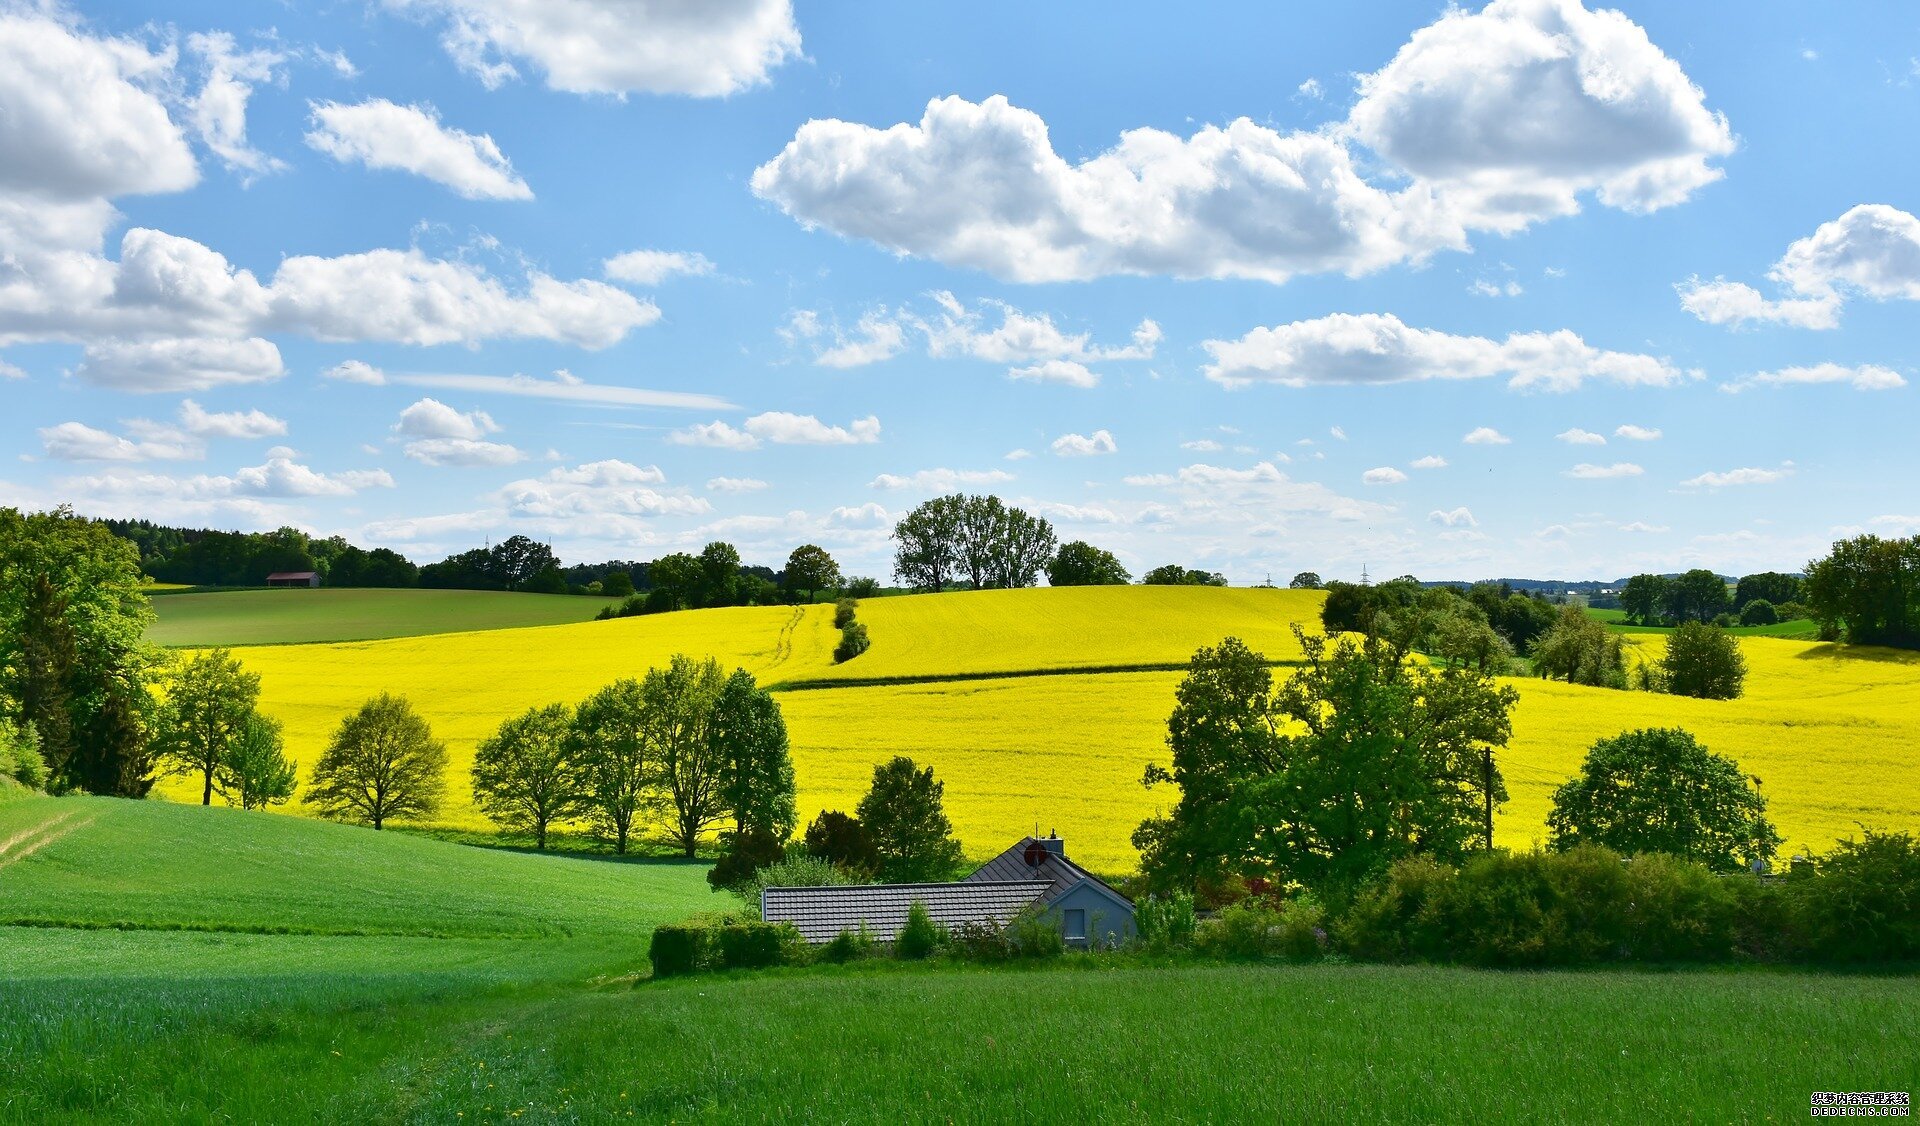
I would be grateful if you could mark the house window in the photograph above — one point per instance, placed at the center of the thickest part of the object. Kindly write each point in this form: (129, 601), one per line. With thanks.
(1077, 923)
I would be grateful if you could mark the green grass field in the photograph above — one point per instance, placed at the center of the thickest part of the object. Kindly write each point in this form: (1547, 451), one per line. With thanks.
(1800, 629)
(287, 617)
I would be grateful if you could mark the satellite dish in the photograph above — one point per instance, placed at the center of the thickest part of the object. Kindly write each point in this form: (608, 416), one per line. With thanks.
(1036, 854)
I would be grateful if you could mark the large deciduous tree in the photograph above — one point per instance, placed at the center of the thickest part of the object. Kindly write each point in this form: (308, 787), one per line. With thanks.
(73, 662)
(677, 709)
(1644, 599)
(383, 763)
(611, 752)
(1659, 790)
(811, 569)
(1766, 586)
(1703, 661)
(1867, 590)
(255, 771)
(906, 820)
(523, 777)
(209, 701)
(927, 544)
(719, 574)
(677, 578)
(1359, 759)
(1081, 564)
(1697, 596)
(1581, 650)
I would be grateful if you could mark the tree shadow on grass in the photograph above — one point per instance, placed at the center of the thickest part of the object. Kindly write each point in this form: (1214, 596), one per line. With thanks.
(567, 847)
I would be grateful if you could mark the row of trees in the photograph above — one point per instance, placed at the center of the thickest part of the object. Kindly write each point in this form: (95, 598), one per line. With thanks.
(1362, 759)
(1867, 591)
(974, 540)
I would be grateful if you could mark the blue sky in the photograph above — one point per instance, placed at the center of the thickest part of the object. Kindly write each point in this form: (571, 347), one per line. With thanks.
(1527, 288)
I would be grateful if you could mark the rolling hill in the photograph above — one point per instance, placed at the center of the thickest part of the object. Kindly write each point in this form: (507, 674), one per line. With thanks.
(294, 616)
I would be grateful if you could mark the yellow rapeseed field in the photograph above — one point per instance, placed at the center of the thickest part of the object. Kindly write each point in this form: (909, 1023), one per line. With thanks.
(1833, 733)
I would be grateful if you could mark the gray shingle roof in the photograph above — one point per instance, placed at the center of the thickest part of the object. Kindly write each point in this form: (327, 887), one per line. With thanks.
(1054, 868)
(820, 914)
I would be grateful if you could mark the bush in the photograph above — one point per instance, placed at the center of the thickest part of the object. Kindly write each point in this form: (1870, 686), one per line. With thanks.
(1036, 934)
(1302, 935)
(20, 754)
(677, 950)
(1791, 612)
(1704, 662)
(1678, 911)
(919, 937)
(843, 613)
(1759, 612)
(1507, 909)
(1764, 928)
(850, 946)
(1165, 922)
(1401, 917)
(861, 587)
(796, 870)
(1247, 929)
(755, 945)
(747, 853)
(853, 642)
(1864, 904)
(980, 942)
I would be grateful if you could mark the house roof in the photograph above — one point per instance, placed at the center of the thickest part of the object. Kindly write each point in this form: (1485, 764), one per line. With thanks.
(821, 914)
(291, 575)
(1059, 873)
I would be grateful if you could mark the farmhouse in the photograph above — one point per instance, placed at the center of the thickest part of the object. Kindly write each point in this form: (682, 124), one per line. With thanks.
(1034, 874)
(294, 578)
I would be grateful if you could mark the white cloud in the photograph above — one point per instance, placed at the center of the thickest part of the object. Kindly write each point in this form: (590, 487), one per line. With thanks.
(1084, 445)
(431, 418)
(1453, 518)
(875, 338)
(1873, 251)
(565, 390)
(1514, 111)
(179, 365)
(651, 267)
(1634, 433)
(1586, 472)
(1431, 461)
(8, 371)
(1310, 90)
(941, 480)
(1745, 476)
(706, 48)
(1579, 437)
(184, 440)
(869, 515)
(715, 434)
(1384, 475)
(782, 428)
(616, 493)
(1483, 288)
(1486, 436)
(1202, 445)
(382, 135)
(1211, 493)
(1641, 527)
(1370, 348)
(75, 441)
(1070, 373)
(219, 111)
(231, 424)
(1488, 121)
(735, 485)
(1018, 455)
(1866, 377)
(462, 452)
(355, 371)
(279, 477)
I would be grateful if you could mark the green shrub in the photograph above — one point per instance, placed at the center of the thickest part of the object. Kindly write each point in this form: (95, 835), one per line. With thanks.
(853, 642)
(1036, 934)
(1792, 612)
(843, 613)
(20, 754)
(1764, 928)
(797, 870)
(1538, 908)
(1401, 917)
(850, 946)
(862, 587)
(1165, 922)
(677, 950)
(1864, 904)
(755, 945)
(1759, 612)
(1302, 933)
(1247, 929)
(1678, 911)
(919, 937)
(980, 942)
(747, 853)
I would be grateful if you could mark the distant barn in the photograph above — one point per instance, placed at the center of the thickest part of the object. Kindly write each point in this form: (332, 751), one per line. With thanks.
(1033, 875)
(294, 578)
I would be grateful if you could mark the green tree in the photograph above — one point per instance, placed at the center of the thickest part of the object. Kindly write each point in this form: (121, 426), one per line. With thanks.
(1771, 586)
(523, 777)
(676, 576)
(1659, 790)
(842, 841)
(677, 706)
(1360, 759)
(1581, 650)
(1173, 574)
(904, 815)
(1697, 596)
(1759, 612)
(927, 544)
(255, 771)
(609, 747)
(811, 569)
(1026, 544)
(719, 574)
(209, 701)
(749, 738)
(1644, 599)
(1306, 580)
(20, 754)
(73, 659)
(1868, 591)
(382, 763)
(617, 584)
(1081, 564)
(1703, 661)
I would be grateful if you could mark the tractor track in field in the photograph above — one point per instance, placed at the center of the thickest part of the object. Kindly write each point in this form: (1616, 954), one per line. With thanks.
(38, 837)
(814, 685)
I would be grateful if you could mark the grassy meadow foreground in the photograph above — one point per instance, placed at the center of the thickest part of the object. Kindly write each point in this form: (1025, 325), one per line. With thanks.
(1043, 706)
(424, 981)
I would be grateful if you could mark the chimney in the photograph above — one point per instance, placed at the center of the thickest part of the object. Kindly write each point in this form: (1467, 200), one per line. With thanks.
(1053, 844)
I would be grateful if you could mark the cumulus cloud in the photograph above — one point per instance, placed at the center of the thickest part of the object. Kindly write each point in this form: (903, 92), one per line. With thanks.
(1486, 436)
(1383, 475)
(1084, 445)
(1202, 445)
(1865, 377)
(1372, 348)
(651, 267)
(75, 441)
(1641, 527)
(229, 424)
(715, 434)
(179, 365)
(1872, 251)
(782, 428)
(383, 135)
(278, 477)
(1431, 461)
(1453, 518)
(941, 480)
(8, 371)
(1634, 433)
(706, 48)
(1486, 121)
(618, 493)
(431, 418)
(355, 371)
(1069, 373)
(1587, 472)
(1579, 437)
(1744, 476)
(219, 110)
(735, 485)
(466, 452)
